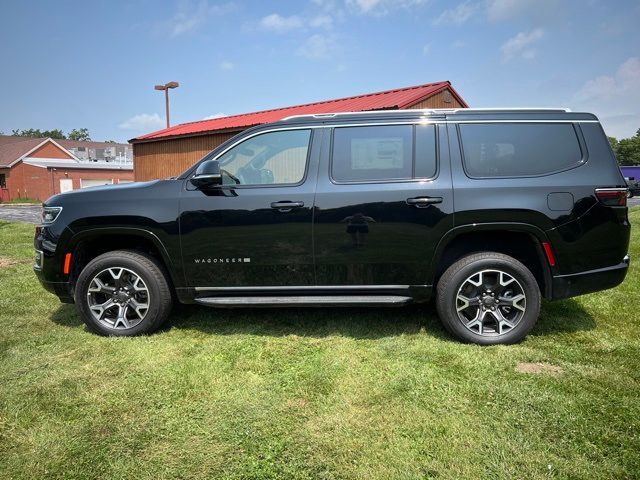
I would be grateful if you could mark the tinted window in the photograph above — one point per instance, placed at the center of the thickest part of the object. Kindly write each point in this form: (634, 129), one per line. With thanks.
(372, 153)
(511, 150)
(425, 151)
(266, 159)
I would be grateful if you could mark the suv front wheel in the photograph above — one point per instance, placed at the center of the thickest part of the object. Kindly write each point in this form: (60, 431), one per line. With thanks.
(123, 293)
(488, 298)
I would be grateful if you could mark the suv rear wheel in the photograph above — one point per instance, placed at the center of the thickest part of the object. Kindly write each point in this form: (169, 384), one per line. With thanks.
(123, 293)
(488, 298)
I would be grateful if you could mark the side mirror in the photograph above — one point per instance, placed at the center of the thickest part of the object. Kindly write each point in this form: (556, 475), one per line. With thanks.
(207, 174)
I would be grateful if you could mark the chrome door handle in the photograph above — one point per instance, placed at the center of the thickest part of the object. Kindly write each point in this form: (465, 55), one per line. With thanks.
(286, 206)
(422, 202)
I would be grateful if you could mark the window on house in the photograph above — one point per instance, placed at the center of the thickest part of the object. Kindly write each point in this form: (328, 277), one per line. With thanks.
(3, 180)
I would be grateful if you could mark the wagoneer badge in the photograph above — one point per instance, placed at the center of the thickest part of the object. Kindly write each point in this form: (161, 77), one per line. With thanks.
(222, 260)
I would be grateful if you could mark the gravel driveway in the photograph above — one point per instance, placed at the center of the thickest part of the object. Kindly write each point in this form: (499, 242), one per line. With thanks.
(20, 213)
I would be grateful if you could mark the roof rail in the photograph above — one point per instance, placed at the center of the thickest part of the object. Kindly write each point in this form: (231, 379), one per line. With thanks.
(368, 112)
(509, 109)
(426, 111)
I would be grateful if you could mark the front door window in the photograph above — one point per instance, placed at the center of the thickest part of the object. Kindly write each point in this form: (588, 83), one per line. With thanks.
(275, 158)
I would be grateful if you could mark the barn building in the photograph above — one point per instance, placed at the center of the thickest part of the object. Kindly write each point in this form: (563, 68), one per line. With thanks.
(36, 168)
(170, 151)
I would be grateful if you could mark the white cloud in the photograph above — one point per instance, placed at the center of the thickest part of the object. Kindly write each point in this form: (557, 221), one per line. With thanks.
(522, 45)
(321, 21)
(332, 8)
(380, 7)
(227, 66)
(457, 15)
(281, 24)
(277, 23)
(614, 98)
(426, 49)
(504, 10)
(191, 16)
(317, 47)
(500, 11)
(214, 116)
(143, 122)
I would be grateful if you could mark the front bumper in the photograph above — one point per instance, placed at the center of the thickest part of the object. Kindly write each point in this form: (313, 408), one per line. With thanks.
(61, 289)
(565, 286)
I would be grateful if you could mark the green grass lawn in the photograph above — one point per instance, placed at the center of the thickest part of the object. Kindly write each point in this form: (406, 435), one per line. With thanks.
(315, 393)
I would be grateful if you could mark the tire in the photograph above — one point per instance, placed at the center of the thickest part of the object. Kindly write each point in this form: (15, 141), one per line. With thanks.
(133, 286)
(480, 299)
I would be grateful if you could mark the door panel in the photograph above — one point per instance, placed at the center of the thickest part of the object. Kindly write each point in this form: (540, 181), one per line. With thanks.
(381, 233)
(66, 185)
(244, 235)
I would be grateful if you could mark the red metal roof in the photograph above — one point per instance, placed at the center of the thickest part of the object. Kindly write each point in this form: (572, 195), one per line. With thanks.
(387, 100)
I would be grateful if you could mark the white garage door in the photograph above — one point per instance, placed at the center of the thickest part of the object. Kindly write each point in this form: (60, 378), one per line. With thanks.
(84, 183)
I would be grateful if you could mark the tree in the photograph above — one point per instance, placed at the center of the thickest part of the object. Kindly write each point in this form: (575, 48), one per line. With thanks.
(627, 150)
(37, 133)
(80, 134)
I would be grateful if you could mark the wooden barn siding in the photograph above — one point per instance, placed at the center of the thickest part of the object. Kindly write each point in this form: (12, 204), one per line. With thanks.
(166, 158)
(438, 101)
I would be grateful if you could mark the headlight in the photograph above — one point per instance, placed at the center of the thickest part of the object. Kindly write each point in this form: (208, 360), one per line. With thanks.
(49, 214)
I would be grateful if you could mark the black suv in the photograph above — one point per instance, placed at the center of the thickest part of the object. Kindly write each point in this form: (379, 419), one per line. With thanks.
(487, 210)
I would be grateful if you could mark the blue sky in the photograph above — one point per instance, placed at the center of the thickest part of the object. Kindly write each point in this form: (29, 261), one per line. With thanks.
(93, 64)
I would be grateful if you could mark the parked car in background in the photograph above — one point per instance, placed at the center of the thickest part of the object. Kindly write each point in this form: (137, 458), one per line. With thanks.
(487, 211)
(633, 185)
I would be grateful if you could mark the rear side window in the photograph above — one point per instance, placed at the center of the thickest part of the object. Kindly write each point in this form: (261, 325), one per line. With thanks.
(385, 152)
(519, 149)
(426, 165)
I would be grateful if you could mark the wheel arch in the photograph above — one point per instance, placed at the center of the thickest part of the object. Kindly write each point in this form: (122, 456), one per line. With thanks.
(87, 244)
(519, 240)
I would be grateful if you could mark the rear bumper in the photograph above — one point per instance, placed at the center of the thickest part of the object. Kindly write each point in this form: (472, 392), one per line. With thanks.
(565, 286)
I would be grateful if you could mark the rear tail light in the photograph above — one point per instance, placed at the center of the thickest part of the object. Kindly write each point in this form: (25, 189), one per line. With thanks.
(612, 197)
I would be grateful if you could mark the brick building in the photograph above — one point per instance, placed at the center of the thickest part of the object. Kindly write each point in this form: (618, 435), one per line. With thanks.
(172, 150)
(36, 168)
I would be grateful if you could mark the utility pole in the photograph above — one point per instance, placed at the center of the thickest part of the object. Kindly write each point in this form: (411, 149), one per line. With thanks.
(166, 88)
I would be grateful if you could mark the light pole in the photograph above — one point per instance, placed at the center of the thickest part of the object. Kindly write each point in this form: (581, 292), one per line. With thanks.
(166, 88)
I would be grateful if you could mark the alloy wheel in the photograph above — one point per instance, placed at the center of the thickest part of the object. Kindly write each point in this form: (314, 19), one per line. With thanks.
(490, 302)
(118, 298)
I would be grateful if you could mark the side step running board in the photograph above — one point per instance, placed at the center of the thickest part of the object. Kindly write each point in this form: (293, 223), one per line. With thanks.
(305, 301)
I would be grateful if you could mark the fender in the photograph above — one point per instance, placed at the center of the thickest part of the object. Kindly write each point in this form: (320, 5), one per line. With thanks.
(536, 233)
(133, 231)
